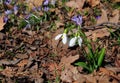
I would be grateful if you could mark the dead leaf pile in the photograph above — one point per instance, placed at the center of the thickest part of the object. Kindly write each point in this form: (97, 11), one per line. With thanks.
(76, 4)
(93, 2)
(1, 23)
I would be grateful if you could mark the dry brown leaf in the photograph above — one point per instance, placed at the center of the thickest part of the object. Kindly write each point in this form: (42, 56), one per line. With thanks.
(58, 24)
(90, 79)
(93, 2)
(21, 56)
(1, 23)
(115, 18)
(52, 66)
(117, 61)
(76, 4)
(8, 71)
(99, 33)
(34, 3)
(66, 61)
(22, 63)
(115, 1)
(103, 18)
(104, 79)
(70, 72)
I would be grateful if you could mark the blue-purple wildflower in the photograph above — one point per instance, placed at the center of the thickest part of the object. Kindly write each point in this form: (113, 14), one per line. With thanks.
(27, 26)
(39, 8)
(46, 9)
(15, 9)
(98, 17)
(77, 19)
(27, 17)
(46, 2)
(5, 19)
(8, 2)
(7, 12)
(34, 9)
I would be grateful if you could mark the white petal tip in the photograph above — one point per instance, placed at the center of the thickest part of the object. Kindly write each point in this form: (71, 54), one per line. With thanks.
(58, 36)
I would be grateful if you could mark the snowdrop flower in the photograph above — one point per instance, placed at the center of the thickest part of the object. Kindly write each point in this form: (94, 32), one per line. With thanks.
(63, 36)
(77, 19)
(75, 40)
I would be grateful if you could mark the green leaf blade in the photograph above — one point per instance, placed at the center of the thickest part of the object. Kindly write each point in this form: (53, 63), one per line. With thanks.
(101, 57)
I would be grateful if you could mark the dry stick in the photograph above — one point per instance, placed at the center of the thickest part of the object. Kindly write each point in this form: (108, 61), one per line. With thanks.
(101, 24)
(8, 63)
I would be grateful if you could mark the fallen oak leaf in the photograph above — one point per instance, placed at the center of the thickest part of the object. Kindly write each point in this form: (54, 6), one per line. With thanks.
(34, 3)
(93, 2)
(75, 4)
(22, 63)
(1, 23)
(8, 71)
(98, 33)
(103, 17)
(66, 61)
(115, 1)
(115, 18)
(70, 73)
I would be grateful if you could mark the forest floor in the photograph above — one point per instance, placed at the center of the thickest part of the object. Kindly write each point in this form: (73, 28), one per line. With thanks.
(29, 52)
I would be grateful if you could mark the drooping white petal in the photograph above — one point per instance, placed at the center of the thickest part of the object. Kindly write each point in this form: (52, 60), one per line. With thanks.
(64, 38)
(58, 36)
(72, 42)
(79, 41)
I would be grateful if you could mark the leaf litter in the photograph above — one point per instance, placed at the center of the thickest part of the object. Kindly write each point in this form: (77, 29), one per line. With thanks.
(29, 56)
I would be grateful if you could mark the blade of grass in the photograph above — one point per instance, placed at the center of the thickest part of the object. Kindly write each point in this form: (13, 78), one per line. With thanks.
(101, 57)
(82, 64)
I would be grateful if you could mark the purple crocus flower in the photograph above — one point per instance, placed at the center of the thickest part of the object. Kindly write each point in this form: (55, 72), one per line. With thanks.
(7, 12)
(39, 8)
(27, 26)
(27, 17)
(46, 9)
(46, 2)
(77, 19)
(34, 9)
(98, 17)
(5, 19)
(8, 2)
(15, 9)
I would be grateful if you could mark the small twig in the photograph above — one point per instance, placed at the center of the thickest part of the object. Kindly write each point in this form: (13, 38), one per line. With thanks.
(8, 63)
(101, 24)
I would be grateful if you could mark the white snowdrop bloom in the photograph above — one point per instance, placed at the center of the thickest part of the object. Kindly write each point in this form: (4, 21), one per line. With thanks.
(63, 36)
(79, 40)
(72, 42)
(75, 39)
(58, 36)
